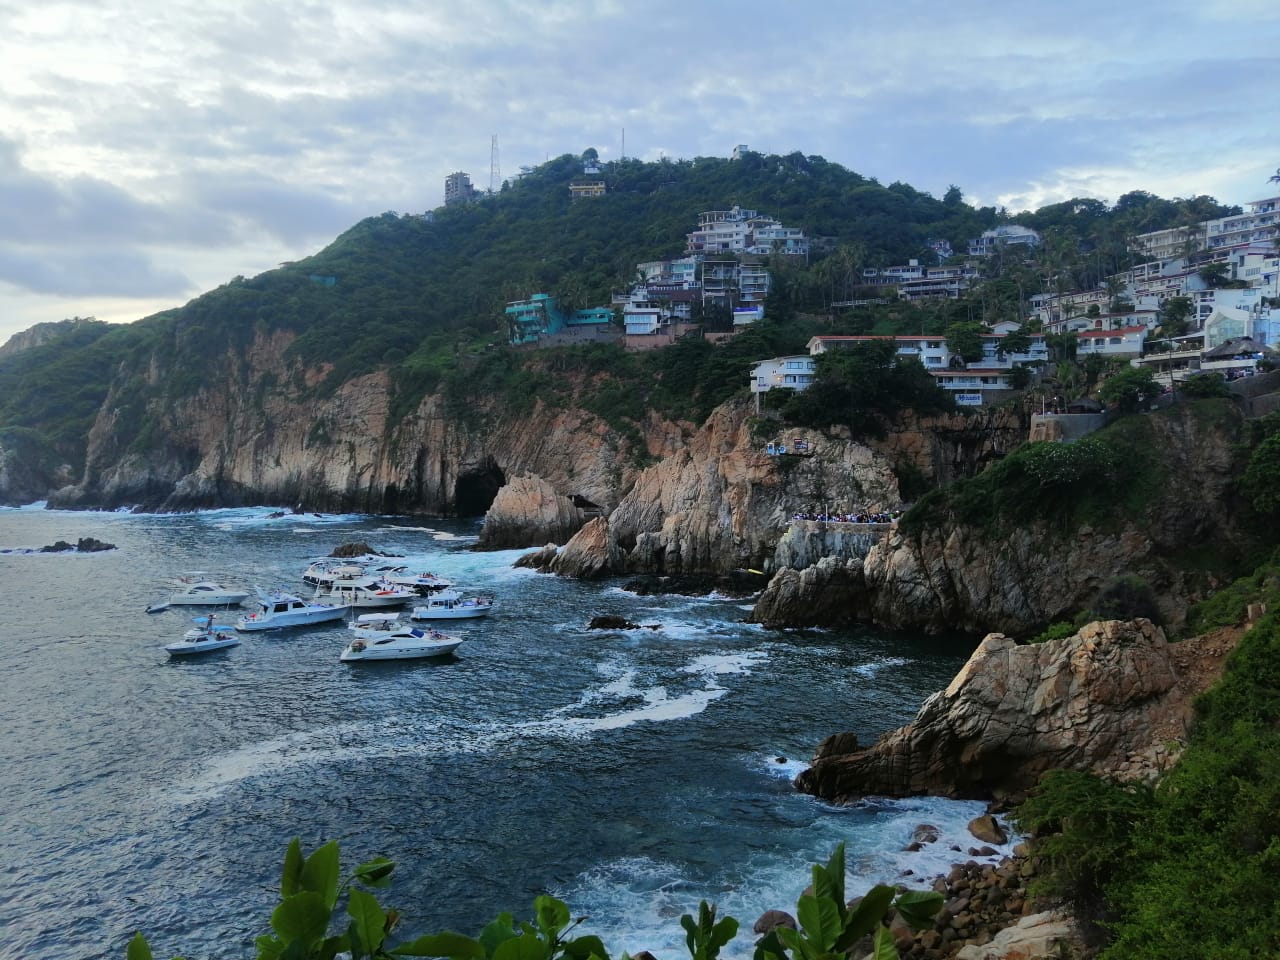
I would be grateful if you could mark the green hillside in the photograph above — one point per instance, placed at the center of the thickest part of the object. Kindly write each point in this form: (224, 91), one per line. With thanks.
(423, 295)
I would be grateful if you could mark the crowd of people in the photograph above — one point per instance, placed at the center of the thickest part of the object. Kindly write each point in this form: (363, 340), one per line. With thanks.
(884, 516)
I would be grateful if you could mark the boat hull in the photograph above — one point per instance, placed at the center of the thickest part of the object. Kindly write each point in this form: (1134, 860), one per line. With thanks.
(187, 648)
(260, 621)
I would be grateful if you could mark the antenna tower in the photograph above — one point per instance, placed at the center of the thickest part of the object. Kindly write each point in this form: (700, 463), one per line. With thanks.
(495, 168)
(624, 143)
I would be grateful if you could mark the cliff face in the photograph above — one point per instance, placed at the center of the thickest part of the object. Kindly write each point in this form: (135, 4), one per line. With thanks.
(265, 432)
(951, 575)
(721, 503)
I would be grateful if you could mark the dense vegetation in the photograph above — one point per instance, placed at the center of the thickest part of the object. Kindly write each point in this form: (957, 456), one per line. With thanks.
(1190, 868)
(422, 295)
(310, 888)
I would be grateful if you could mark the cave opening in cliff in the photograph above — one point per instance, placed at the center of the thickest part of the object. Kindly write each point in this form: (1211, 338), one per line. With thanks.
(475, 489)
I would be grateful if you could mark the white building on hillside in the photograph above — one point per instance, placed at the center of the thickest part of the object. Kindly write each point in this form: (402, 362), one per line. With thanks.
(745, 231)
(1008, 234)
(972, 384)
(787, 373)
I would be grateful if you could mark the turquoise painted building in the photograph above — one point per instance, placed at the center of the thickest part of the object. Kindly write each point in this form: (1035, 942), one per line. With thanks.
(529, 321)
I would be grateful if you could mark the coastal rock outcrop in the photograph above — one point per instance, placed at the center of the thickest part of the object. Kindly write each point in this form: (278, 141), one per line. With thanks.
(721, 503)
(828, 593)
(527, 511)
(1087, 702)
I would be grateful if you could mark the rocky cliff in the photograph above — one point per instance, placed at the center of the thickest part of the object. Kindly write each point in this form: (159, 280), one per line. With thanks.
(963, 570)
(265, 428)
(721, 503)
(1113, 698)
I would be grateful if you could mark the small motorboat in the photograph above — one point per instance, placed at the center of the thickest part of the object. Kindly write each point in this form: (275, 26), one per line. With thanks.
(200, 590)
(449, 605)
(280, 609)
(204, 637)
(385, 640)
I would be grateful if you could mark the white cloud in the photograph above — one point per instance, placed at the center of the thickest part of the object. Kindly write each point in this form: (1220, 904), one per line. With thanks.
(198, 141)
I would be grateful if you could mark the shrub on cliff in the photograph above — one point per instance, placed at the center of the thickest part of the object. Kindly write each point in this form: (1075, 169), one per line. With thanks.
(1190, 869)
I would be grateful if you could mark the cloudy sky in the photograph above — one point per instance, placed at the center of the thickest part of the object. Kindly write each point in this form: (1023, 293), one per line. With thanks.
(153, 149)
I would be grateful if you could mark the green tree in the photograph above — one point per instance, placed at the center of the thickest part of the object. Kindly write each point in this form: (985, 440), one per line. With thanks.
(965, 341)
(1261, 482)
(1214, 274)
(1129, 390)
(1175, 316)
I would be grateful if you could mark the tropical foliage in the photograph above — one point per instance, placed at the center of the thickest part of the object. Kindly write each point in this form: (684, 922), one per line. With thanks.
(303, 924)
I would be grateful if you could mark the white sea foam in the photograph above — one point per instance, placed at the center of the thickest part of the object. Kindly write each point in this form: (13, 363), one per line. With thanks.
(612, 705)
(635, 903)
(875, 666)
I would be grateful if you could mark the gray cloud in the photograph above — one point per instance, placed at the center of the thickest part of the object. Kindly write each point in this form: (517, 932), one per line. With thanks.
(180, 134)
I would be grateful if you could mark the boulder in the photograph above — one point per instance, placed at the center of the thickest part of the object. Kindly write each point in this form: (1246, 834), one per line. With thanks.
(1086, 702)
(588, 554)
(772, 919)
(1046, 934)
(987, 829)
(608, 622)
(829, 592)
(528, 511)
(540, 559)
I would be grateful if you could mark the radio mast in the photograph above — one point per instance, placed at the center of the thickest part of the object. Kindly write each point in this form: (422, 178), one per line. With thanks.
(495, 169)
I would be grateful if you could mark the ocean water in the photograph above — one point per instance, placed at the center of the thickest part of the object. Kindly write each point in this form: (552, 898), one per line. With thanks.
(630, 773)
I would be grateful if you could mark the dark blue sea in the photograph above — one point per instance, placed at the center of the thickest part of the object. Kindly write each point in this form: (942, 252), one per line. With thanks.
(629, 773)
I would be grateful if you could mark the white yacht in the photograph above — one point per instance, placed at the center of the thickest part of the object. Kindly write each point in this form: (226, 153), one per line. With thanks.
(449, 605)
(393, 641)
(365, 593)
(199, 589)
(281, 609)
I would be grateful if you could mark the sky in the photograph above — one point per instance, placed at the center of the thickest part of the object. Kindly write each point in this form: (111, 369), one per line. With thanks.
(154, 149)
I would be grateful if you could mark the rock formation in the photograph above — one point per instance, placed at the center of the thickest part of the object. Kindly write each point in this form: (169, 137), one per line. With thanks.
(528, 511)
(721, 503)
(951, 574)
(1097, 700)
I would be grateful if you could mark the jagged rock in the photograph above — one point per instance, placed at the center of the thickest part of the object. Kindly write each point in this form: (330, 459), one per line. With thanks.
(608, 622)
(1085, 702)
(1034, 936)
(355, 548)
(588, 554)
(93, 545)
(83, 545)
(988, 830)
(720, 503)
(540, 559)
(527, 510)
(836, 745)
(829, 592)
(771, 919)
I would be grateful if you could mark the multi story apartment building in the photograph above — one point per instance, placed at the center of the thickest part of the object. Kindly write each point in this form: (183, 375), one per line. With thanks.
(970, 383)
(458, 188)
(744, 231)
(1008, 234)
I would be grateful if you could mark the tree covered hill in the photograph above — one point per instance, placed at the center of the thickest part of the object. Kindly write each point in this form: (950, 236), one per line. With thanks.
(423, 295)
